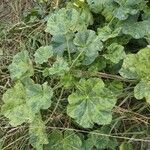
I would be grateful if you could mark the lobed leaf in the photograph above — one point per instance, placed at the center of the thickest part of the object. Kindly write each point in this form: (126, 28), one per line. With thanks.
(59, 68)
(21, 66)
(142, 90)
(22, 103)
(91, 103)
(38, 97)
(115, 53)
(97, 5)
(68, 140)
(61, 43)
(37, 132)
(127, 8)
(137, 29)
(14, 107)
(88, 42)
(63, 21)
(43, 54)
(100, 139)
(106, 33)
(135, 66)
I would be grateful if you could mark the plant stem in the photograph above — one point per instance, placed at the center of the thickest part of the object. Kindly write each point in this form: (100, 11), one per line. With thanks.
(68, 49)
(76, 59)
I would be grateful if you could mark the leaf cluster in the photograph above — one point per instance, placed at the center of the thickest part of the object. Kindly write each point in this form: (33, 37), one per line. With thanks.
(90, 60)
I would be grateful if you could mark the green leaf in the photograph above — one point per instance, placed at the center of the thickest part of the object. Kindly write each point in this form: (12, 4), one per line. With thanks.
(88, 42)
(42, 54)
(96, 140)
(63, 21)
(112, 144)
(55, 141)
(108, 10)
(122, 13)
(14, 107)
(106, 33)
(68, 140)
(136, 29)
(142, 90)
(115, 8)
(22, 103)
(91, 103)
(98, 65)
(59, 68)
(61, 43)
(128, 2)
(115, 53)
(121, 40)
(38, 136)
(86, 15)
(67, 81)
(100, 139)
(97, 5)
(146, 14)
(21, 66)
(128, 69)
(39, 97)
(128, 7)
(115, 86)
(126, 146)
(83, 8)
(135, 66)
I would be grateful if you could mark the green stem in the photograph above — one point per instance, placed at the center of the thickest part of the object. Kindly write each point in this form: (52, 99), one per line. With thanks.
(111, 21)
(76, 59)
(68, 49)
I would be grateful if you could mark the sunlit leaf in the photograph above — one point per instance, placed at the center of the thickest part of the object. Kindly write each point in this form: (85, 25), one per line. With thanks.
(42, 54)
(98, 65)
(115, 53)
(64, 21)
(59, 68)
(39, 96)
(97, 5)
(21, 103)
(91, 103)
(14, 107)
(21, 66)
(37, 133)
(106, 33)
(127, 8)
(135, 66)
(142, 90)
(137, 29)
(88, 42)
(85, 13)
